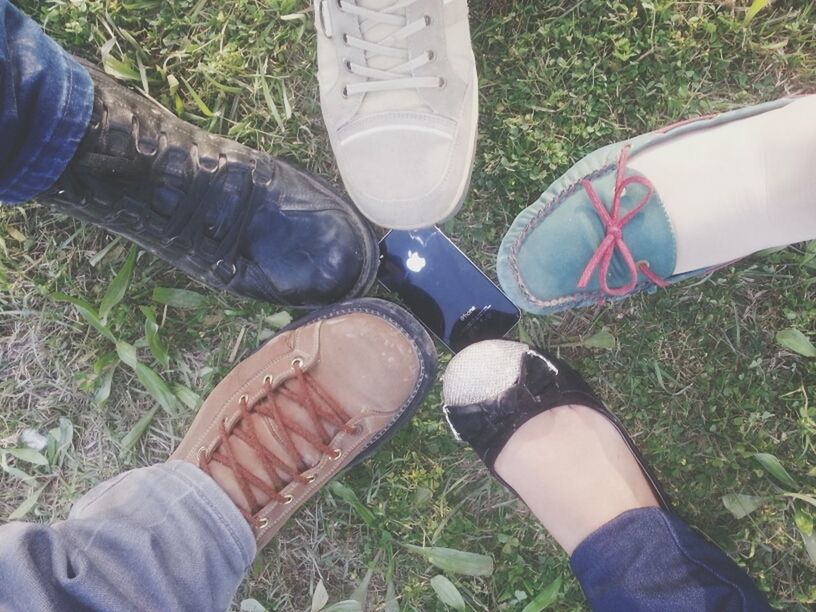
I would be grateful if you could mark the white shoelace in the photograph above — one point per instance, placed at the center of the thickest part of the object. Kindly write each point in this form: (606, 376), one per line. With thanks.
(400, 76)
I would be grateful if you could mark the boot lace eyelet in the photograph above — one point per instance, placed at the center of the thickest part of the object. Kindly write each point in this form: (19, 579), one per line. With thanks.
(232, 270)
(336, 454)
(288, 500)
(297, 363)
(263, 523)
(310, 478)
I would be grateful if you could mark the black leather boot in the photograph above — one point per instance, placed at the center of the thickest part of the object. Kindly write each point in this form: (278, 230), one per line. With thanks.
(228, 216)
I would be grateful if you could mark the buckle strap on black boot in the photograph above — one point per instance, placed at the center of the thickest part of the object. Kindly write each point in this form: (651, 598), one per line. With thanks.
(230, 217)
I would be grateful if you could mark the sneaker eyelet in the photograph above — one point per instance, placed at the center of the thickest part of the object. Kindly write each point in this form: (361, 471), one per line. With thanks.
(428, 20)
(345, 92)
(442, 83)
(431, 55)
(263, 523)
(288, 500)
(345, 39)
(336, 454)
(347, 64)
(297, 363)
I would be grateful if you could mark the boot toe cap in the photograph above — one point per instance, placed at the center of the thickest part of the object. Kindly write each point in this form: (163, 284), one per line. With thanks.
(305, 257)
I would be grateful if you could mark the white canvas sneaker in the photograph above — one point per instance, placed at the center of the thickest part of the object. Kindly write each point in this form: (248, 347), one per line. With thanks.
(399, 95)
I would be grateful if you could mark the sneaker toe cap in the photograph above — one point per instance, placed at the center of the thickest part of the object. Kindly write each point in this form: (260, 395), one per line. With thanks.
(406, 175)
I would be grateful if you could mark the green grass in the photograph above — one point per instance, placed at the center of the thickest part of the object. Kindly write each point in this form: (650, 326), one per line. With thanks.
(695, 371)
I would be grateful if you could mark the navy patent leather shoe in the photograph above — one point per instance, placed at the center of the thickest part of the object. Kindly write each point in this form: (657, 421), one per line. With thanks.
(494, 387)
(231, 217)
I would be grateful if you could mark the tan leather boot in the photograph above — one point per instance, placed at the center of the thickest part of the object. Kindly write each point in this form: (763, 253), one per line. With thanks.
(319, 397)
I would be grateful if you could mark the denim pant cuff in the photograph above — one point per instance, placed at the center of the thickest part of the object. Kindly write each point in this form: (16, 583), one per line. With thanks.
(164, 537)
(649, 559)
(216, 503)
(215, 509)
(221, 508)
(47, 163)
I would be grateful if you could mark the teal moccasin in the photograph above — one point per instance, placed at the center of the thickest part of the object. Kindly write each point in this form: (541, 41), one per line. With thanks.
(601, 231)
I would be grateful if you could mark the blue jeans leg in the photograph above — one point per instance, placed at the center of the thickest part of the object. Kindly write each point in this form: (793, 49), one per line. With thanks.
(164, 537)
(648, 559)
(46, 100)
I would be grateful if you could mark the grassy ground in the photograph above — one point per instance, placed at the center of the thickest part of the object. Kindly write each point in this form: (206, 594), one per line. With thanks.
(699, 372)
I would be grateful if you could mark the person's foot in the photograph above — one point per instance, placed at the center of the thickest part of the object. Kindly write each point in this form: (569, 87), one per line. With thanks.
(666, 206)
(540, 429)
(228, 216)
(318, 398)
(399, 95)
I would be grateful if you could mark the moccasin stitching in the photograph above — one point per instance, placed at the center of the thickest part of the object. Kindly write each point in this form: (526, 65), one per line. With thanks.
(539, 217)
(532, 224)
(548, 208)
